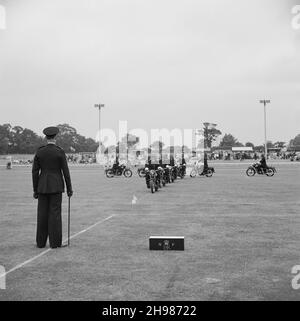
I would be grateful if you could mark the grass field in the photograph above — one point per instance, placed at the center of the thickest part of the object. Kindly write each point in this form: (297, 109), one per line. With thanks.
(241, 238)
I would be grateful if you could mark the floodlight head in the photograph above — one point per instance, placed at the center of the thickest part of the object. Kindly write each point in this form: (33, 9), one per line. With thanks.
(265, 101)
(99, 105)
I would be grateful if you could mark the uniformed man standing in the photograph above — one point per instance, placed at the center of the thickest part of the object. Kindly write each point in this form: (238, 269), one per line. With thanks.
(49, 170)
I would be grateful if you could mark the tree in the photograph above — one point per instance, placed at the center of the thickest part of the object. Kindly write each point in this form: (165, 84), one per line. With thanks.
(259, 148)
(70, 141)
(249, 144)
(230, 141)
(67, 138)
(20, 140)
(91, 145)
(295, 142)
(29, 141)
(210, 134)
(5, 138)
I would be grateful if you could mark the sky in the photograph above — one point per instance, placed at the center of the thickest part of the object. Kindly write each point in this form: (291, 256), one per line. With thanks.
(155, 63)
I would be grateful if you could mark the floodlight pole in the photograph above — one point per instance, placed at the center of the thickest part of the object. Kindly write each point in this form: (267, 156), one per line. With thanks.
(99, 106)
(265, 102)
(205, 132)
(127, 147)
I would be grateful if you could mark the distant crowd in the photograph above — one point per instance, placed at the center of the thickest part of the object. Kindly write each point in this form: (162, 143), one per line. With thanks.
(255, 156)
(90, 158)
(81, 158)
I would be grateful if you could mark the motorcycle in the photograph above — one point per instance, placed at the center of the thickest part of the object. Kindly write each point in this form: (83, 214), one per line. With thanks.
(151, 180)
(208, 172)
(257, 169)
(118, 171)
(167, 174)
(141, 172)
(181, 171)
(160, 177)
(173, 171)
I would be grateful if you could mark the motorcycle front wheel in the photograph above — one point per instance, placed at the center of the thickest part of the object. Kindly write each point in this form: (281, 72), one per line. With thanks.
(250, 171)
(152, 186)
(193, 173)
(142, 173)
(127, 173)
(270, 172)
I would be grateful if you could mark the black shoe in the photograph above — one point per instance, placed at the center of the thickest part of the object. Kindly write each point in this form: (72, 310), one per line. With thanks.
(55, 247)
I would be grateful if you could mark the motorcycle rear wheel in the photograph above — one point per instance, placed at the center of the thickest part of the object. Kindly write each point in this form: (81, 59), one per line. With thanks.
(127, 173)
(109, 173)
(209, 173)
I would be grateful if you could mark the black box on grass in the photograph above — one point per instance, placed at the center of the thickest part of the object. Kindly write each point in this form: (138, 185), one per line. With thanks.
(166, 243)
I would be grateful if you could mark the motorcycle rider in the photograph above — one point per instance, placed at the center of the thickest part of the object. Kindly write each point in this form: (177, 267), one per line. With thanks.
(148, 167)
(263, 163)
(116, 164)
(183, 164)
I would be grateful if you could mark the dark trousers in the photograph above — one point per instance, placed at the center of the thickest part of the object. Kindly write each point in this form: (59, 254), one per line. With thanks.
(49, 220)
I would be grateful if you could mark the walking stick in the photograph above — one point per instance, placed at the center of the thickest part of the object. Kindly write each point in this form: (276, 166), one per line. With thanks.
(69, 219)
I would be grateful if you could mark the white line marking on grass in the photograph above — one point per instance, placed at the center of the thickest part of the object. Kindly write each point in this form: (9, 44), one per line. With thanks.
(48, 250)
(90, 227)
(24, 263)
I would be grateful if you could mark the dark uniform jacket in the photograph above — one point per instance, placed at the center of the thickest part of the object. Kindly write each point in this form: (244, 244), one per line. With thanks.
(263, 162)
(48, 169)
